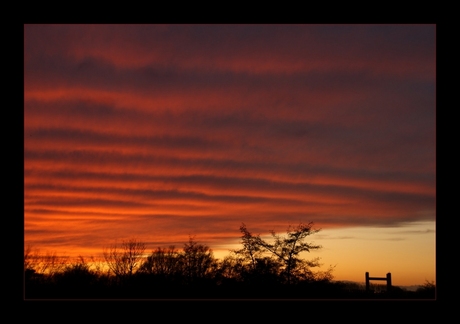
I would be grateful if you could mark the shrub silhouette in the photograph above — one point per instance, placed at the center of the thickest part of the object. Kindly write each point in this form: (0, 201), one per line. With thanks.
(260, 269)
(427, 290)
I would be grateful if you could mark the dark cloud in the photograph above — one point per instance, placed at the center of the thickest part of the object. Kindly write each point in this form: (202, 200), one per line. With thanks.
(427, 231)
(78, 137)
(206, 170)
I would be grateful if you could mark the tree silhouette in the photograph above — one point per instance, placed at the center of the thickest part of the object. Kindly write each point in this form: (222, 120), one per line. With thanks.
(77, 275)
(198, 260)
(285, 249)
(230, 268)
(260, 269)
(162, 261)
(123, 260)
(252, 247)
(36, 262)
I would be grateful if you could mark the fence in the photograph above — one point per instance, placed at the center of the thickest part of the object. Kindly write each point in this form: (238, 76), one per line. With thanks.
(387, 279)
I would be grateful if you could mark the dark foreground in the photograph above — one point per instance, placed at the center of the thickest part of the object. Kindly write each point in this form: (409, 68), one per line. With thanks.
(139, 287)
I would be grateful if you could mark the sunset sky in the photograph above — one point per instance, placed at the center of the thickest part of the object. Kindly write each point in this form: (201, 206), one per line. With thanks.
(161, 132)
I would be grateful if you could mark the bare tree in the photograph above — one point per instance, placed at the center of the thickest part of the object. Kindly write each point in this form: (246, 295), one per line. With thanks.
(252, 247)
(162, 261)
(97, 265)
(123, 260)
(29, 262)
(49, 263)
(198, 260)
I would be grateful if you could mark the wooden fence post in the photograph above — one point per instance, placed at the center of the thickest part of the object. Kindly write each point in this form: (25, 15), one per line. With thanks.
(367, 281)
(387, 279)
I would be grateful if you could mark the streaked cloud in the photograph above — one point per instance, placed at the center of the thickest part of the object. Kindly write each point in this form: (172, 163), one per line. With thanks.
(165, 131)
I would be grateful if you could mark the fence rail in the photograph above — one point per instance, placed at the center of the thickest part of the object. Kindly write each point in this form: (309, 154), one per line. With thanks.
(387, 279)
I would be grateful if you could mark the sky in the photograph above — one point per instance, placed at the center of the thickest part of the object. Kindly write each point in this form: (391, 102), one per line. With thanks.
(165, 132)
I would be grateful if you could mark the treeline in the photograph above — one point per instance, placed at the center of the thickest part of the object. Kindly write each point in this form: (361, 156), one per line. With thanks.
(259, 269)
